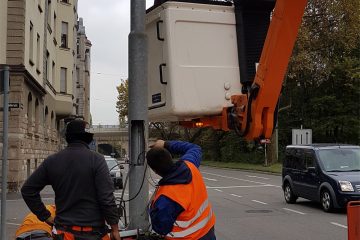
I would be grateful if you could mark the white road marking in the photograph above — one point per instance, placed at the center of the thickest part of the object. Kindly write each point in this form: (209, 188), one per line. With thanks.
(339, 225)
(210, 179)
(257, 177)
(16, 224)
(290, 210)
(218, 190)
(259, 202)
(235, 195)
(248, 186)
(240, 179)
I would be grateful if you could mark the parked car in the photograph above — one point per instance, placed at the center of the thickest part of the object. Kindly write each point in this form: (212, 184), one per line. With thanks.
(325, 173)
(115, 171)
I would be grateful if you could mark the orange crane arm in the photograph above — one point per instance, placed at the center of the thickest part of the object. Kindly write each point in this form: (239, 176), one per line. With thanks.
(253, 113)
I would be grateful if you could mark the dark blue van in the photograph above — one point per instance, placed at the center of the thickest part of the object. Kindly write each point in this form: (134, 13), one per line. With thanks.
(325, 173)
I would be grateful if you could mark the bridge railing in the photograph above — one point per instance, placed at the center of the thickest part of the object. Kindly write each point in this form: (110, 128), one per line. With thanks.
(107, 128)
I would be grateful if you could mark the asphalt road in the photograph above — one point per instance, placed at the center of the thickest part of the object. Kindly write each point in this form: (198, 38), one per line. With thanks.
(251, 206)
(247, 205)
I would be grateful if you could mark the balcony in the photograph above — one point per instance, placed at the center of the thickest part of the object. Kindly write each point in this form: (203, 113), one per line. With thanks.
(63, 104)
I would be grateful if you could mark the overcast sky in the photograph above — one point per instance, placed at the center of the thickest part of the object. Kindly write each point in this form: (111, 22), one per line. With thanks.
(107, 25)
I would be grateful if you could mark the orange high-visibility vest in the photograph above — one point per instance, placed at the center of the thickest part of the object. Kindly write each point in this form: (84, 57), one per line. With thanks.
(197, 218)
(31, 223)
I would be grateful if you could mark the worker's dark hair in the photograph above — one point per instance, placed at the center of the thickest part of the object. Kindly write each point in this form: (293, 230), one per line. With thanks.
(159, 160)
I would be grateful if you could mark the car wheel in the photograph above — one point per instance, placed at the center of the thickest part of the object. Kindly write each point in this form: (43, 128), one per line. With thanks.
(326, 201)
(289, 195)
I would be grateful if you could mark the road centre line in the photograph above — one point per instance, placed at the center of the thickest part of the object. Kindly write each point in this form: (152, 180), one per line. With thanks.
(235, 195)
(240, 179)
(339, 225)
(259, 202)
(210, 179)
(218, 190)
(248, 186)
(290, 210)
(251, 176)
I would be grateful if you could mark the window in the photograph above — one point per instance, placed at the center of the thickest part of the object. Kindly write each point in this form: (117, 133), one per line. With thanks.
(64, 35)
(29, 109)
(309, 159)
(63, 72)
(78, 46)
(65, 1)
(38, 53)
(77, 75)
(47, 67)
(53, 73)
(46, 118)
(49, 14)
(37, 116)
(31, 44)
(55, 28)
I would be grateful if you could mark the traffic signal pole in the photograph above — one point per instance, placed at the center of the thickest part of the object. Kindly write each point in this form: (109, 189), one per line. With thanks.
(138, 120)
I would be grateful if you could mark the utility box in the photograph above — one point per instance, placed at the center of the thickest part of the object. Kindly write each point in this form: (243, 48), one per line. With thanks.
(193, 65)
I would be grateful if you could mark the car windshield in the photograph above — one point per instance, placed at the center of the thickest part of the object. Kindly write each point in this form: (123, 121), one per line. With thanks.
(112, 164)
(340, 160)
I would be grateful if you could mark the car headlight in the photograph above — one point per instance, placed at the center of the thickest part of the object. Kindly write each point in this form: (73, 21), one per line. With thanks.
(117, 174)
(346, 186)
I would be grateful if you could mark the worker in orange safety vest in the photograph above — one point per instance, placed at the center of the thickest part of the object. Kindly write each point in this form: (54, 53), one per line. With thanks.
(33, 228)
(180, 208)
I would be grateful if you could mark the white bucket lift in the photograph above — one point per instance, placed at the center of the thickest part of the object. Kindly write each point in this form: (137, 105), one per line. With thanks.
(193, 65)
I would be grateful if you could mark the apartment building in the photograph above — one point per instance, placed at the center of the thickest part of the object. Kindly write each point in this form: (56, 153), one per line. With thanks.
(82, 86)
(38, 41)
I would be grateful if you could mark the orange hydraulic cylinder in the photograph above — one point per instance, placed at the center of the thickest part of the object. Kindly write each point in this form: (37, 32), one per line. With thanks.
(275, 56)
(353, 220)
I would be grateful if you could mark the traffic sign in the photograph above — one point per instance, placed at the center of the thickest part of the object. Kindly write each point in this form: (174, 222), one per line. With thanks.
(265, 141)
(14, 105)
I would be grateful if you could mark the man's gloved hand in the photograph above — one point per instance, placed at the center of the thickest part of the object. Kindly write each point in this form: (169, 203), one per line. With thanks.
(50, 221)
(159, 144)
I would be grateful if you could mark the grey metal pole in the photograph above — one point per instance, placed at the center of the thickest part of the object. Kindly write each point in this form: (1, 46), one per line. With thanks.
(138, 120)
(4, 152)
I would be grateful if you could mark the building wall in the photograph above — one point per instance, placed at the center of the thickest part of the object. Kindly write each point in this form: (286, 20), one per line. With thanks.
(34, 128)
(15, 32)
(3, 31)
(82, 90)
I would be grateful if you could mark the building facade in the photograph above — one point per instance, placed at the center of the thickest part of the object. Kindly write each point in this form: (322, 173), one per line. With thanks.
(82, 86)
(38, 41)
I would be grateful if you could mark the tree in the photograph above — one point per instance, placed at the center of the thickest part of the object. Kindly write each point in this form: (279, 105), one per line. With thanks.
(122, 103)
(323, 79)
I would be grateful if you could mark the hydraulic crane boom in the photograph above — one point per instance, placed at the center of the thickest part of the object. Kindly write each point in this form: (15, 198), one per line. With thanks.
(253, 114)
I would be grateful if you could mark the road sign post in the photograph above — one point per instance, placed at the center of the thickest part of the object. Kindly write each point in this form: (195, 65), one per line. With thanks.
(4, 151)
(265, 141)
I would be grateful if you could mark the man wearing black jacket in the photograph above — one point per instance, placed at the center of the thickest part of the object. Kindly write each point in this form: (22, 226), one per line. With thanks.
(84, 191)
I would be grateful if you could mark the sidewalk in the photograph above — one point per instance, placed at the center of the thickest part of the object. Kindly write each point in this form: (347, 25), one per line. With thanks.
(16, 209)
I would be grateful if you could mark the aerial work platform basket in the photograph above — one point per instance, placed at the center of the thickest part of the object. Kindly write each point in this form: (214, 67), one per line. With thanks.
(192, 61)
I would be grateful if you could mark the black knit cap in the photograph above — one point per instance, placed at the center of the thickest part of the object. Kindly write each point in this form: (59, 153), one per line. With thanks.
(78, 127)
